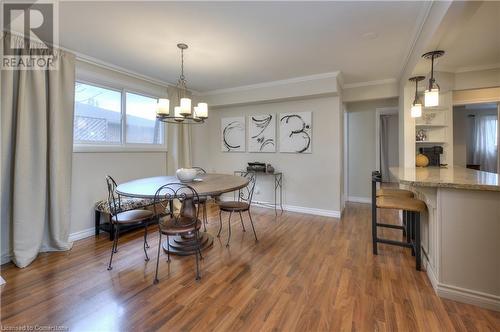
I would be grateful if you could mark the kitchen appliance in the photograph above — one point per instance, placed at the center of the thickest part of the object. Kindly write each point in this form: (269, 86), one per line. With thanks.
(434, 154)
(260, 167)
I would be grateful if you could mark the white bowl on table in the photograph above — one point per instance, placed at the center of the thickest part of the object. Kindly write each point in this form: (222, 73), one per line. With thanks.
(186, 174)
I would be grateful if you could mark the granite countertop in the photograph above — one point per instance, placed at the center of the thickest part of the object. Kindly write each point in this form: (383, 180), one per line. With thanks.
(449, 177)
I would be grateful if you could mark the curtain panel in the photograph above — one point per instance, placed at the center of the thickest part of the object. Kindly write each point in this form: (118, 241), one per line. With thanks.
(37, 145)
(484, 142)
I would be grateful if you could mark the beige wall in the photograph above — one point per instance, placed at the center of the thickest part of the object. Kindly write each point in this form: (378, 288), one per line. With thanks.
(88, 180)
(90, 168)
(361, 144)
(311, 181)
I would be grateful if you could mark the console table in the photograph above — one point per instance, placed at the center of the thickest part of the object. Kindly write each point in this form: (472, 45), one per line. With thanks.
(278, 184)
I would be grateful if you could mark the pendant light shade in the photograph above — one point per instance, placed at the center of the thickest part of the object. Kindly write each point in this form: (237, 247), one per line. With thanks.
(416, 111)
(416, 107)
(431, 95)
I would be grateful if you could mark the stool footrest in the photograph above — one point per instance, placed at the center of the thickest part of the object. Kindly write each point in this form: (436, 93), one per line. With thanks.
(396, 243)
(390, 226)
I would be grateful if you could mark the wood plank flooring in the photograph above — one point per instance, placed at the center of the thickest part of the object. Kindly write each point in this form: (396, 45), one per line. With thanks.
(306, 273)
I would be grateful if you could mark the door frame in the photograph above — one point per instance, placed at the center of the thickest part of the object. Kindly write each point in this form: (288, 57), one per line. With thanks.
(378, 112)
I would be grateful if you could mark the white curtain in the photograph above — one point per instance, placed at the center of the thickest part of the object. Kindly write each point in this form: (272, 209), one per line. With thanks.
(484, 142)
(37, 145)
(178, 139)
(384, 147)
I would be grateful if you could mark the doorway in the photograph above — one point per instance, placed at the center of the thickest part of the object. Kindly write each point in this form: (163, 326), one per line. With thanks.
(475, 136)
(386, 141)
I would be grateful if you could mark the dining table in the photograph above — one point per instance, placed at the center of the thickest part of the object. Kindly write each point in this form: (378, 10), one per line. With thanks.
(205, 185)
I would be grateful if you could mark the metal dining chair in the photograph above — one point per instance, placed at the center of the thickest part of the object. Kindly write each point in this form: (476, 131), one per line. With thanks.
(120, 217)
(243, 204)
(185, 223)
(202, 200)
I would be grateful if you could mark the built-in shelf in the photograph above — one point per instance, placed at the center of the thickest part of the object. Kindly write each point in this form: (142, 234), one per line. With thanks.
(437, 108)
(430, 125)
(430, 142)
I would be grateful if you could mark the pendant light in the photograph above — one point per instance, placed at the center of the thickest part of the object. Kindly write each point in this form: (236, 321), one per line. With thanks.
(431, 95)
(183, 113)
(416, 107)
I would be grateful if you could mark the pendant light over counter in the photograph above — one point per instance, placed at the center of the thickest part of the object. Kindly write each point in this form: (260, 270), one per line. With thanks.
(416, 107)
(431, 95)
(183, 113)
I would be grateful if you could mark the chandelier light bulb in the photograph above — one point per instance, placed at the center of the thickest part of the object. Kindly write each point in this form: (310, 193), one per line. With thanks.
(163, 107)
(202, 110)
(185, 106)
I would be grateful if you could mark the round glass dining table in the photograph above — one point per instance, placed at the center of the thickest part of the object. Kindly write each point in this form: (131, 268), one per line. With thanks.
(205, 185)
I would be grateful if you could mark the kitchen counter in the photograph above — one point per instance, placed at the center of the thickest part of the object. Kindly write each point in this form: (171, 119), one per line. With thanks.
(449, 177)
(460, 231)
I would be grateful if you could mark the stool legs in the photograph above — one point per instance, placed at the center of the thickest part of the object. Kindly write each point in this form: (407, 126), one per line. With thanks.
(412, 232)
(417, 241)
(374, 228)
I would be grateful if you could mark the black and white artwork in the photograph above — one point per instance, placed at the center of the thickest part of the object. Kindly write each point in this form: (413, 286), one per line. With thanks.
(296, 132)
(233, 134)
(262, 133)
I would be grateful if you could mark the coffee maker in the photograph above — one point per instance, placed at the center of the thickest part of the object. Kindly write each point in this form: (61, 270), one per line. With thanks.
(434, 154)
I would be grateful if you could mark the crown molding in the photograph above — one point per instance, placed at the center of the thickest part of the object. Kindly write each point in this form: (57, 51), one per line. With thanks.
(421, 20)
(467, 69)
(106, 65)
(369, 83)
(299, 79)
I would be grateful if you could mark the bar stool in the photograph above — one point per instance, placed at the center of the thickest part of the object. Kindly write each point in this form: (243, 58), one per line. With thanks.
(377, 177)
(413, 207)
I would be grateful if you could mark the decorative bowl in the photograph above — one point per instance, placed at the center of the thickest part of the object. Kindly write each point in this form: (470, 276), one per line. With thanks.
(186, 174)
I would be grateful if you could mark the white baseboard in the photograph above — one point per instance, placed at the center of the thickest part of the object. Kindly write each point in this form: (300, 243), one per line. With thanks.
(5, 258)
(465, 295)
(459, 294)
(359, 199)
(301, 209)
(81, 234)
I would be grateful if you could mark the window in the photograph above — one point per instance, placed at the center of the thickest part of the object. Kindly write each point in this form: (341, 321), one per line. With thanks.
(142, 126)
(106, 116)
(97, 115)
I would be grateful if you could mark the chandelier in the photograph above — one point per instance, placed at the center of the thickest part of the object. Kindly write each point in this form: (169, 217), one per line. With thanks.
(183, 113)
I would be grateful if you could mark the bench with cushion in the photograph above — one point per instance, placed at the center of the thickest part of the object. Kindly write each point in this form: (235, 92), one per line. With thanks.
(126, 204)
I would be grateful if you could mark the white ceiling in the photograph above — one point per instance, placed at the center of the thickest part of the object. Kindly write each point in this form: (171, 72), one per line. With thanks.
(471, 43)
(240, 43)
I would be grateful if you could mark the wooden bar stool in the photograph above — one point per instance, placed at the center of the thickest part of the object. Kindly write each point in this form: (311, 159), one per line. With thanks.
(377, 177)
(413, 208)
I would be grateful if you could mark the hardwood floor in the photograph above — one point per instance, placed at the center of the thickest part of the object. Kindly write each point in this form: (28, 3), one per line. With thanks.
(306, 273)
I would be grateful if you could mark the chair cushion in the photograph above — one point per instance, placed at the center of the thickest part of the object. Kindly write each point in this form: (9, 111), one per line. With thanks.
(401, 203)
(394, 192)
(126, 204)
(234, 206)
(172, 226)
(132, 216)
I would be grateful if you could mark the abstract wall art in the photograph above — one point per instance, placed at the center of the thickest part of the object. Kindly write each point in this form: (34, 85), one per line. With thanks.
(296, 132)
(262, 133)
(233, 134)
